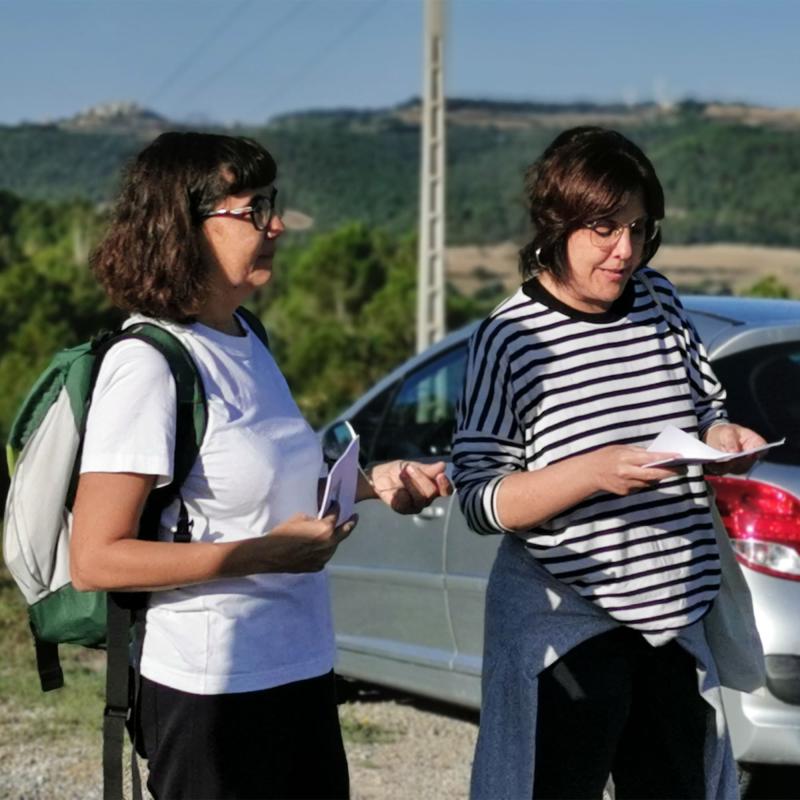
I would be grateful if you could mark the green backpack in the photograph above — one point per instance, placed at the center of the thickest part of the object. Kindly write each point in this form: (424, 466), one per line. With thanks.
(44, 450)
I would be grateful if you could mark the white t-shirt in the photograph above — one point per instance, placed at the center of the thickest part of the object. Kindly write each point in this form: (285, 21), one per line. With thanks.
(259, 463)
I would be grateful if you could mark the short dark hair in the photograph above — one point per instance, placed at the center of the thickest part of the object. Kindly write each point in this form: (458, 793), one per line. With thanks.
(150, 258)
(583, 175)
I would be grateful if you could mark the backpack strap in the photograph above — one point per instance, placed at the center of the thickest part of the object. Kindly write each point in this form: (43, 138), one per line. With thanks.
(48, 664)
(190, 426)
(255, 325)
(192, 410)
(115, 714)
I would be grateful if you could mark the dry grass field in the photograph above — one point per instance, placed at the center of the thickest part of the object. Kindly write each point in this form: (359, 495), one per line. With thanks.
(717, 268)
(708, 269)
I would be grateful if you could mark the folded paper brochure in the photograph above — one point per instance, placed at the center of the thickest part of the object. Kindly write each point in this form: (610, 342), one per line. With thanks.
(692, 451)
(341, 483)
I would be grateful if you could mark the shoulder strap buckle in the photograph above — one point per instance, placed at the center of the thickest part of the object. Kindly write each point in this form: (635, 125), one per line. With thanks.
(182, 532)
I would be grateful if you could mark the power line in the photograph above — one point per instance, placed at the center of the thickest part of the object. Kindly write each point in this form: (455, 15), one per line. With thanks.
(315, 61)
(200, 48)
(271, 30)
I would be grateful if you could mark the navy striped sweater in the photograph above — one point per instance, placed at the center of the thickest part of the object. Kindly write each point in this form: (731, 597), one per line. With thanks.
(544, 383)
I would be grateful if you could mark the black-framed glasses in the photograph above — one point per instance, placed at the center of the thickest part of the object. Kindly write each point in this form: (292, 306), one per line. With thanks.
(261, 210)
(605, 233)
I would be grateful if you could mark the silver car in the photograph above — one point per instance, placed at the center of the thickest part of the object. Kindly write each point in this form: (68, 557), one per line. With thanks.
(408, 592)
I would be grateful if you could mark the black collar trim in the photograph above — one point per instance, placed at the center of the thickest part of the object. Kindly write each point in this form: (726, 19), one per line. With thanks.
(619, 309)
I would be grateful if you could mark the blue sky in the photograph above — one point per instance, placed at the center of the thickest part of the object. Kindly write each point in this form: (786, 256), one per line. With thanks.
(247, 60)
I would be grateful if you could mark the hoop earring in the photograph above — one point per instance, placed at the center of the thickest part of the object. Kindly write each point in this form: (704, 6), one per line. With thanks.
(537, 255)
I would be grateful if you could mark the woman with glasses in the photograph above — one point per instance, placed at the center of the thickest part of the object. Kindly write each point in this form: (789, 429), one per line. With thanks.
(237, 695)
(595, 659)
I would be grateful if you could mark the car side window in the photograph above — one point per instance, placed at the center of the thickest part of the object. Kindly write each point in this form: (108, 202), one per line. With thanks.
(420, 421)
(368, 420)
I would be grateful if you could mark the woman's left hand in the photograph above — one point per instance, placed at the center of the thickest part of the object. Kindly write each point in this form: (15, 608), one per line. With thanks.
(732, 439)
(409, 486)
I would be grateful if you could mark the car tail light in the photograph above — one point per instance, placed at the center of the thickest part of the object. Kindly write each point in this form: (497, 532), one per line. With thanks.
(763, 522)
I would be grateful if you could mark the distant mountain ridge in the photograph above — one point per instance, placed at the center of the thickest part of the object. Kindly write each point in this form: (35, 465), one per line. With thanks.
(504, 112)
(126, 117)
(731, 172)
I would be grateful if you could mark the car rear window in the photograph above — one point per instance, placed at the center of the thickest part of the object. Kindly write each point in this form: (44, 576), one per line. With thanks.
(763, 386)
(419, 422)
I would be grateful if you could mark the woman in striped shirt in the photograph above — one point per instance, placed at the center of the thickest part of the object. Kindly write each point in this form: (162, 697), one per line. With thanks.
(595, 660)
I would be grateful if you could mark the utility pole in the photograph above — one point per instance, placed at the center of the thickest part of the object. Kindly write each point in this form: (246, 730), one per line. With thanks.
(430, 280)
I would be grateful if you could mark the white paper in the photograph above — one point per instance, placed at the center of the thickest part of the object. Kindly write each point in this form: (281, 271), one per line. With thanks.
(341, 483)
(692, 451)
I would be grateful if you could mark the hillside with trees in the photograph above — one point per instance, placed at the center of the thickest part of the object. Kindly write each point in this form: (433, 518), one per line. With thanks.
(729, 174)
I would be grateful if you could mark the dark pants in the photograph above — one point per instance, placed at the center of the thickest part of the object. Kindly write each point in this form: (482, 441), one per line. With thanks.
(276, 743)
(615, 705)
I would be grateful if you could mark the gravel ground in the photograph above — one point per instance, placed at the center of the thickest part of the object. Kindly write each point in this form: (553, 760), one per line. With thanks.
(44, 769)
(427, 751)
(397, 748)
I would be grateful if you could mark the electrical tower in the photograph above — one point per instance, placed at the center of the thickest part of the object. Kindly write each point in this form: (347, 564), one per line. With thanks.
(430, 280)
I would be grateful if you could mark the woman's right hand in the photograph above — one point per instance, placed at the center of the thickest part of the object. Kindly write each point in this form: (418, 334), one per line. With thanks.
(525, 500)
(619, 469)
(105, 552)
(302, 543)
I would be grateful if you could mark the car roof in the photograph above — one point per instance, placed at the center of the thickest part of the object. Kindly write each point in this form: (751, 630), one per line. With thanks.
(719, 318)
(730, 324)
(744, 310)
(726, 325)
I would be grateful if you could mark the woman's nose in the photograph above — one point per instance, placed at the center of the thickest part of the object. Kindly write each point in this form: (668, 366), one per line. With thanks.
(275, 227)
(624, 248)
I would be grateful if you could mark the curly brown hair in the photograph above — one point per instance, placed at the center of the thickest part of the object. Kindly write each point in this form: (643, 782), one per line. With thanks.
(150, 258)
(582, 176)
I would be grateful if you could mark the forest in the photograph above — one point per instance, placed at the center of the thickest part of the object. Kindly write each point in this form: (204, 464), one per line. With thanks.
(726, 179)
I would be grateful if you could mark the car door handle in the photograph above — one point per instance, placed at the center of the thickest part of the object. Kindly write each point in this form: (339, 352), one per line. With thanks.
(431, 512)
